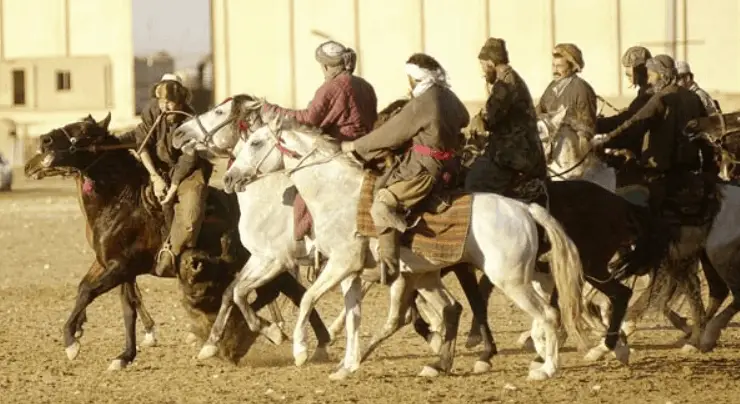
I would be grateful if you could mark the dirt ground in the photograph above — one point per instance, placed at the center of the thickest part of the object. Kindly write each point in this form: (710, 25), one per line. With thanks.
(43, 254)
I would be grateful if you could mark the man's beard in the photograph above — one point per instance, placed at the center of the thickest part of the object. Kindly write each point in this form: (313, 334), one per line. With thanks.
(490, 76)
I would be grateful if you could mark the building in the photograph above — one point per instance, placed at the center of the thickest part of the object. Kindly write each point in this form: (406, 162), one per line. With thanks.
(59, 61)
(272, 55)
(147, 71)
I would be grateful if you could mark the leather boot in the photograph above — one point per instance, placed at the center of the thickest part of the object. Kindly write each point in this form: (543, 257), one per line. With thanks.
(389, 251)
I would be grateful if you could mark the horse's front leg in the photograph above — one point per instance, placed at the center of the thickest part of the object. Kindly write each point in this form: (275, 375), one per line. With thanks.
(128, 304)
(150, 339)
(478, 305)
(96, 282)
(698, 317)
(475, 335)
(352, 291)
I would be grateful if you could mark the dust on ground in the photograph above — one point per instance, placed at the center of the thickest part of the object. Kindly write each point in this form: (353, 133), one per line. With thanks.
(43, 254)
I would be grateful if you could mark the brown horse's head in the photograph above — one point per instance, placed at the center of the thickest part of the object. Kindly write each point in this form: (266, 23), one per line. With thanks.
(390, 111)
(70, 149)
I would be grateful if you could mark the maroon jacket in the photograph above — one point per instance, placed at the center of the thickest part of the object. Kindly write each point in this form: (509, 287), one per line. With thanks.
(344, 107)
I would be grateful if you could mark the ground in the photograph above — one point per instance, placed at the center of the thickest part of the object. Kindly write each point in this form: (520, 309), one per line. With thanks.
(44, 254)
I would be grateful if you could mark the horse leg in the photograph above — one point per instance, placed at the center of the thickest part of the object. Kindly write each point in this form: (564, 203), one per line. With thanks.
(446, 313)
(256, 273)
(128, 304)
(150, 339)
(469, 285)
(692, 290)
(475, 335)
(294, 290)
(333, 273)
(401, 298)
(338, 323)
(717, 324)
(718, 289)
(210, 346)
(352, 291)
(619, 296)
(96, 282)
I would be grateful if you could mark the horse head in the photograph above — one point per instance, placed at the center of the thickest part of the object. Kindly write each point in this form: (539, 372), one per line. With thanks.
(73, 148)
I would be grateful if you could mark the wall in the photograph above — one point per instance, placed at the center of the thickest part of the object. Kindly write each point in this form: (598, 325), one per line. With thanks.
(272, 55)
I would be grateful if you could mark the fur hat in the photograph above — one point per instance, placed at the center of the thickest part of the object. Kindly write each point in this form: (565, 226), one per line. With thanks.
(683, 67)
(663, 65)
(571, 53)
(635, 56)
(494, 50)
(170, 87)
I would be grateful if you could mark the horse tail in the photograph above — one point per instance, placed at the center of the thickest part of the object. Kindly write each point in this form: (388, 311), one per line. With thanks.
(567, 272)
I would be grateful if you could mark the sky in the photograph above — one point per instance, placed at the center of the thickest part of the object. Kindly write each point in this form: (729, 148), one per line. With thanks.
(179, 27)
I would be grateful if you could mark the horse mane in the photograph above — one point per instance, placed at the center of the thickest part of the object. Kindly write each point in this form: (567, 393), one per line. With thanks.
(391, 110)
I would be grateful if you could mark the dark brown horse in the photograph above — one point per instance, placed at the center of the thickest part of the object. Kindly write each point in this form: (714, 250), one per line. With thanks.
(127, 227)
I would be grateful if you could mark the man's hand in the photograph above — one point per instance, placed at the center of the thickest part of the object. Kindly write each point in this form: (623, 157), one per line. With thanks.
(159, 186)
(347, 147)
(598, 141)
(170, 195)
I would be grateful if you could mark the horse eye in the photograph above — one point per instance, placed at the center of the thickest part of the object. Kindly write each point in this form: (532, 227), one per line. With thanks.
(219, 112)
(256, 143)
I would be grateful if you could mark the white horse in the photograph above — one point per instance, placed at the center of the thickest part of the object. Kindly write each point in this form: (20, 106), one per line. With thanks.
(502, 239)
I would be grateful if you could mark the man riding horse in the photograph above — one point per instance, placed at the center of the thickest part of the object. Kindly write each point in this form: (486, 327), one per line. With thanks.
(669, 156)
(513, 163)
(571, 91)
(177, 177)
(428, 128)
(345, 107)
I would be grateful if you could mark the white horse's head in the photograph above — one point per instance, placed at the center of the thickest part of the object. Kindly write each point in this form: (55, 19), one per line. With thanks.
(273, 148)
(219, 129)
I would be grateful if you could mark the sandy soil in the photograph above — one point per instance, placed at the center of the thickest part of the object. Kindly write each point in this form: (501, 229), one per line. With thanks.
(44, 254)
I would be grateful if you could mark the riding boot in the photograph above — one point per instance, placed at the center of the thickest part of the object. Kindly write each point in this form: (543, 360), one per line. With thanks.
(389, 251)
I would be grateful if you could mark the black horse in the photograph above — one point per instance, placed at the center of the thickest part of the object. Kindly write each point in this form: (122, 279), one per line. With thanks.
(126, 228)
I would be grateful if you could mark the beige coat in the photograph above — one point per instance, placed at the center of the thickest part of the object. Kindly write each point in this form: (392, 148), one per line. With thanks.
(433, 119)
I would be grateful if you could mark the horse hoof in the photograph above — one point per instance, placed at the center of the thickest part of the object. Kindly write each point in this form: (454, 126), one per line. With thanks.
(274, 334)
(428, 371)
(116, 365)
(689, 349)
(300, 358)
(341, 374)
(622, 353)
(481, 367)
(79, 333)
(596, 353)
(149, 340)
(473, 341)
(191, 339)
(537, 375)
(72, 351)
(320, 355)
(208, 351)
(535, 365)
(435, 342)
(525, 342)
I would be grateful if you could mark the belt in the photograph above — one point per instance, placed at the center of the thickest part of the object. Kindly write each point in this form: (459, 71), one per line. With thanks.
(433, 153)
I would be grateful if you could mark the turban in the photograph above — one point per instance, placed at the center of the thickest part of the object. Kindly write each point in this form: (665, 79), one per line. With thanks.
(334, 54)
(571, 53)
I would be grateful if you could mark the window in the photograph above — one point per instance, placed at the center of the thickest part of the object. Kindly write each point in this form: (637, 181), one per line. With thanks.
(64, 80)
(19, 87)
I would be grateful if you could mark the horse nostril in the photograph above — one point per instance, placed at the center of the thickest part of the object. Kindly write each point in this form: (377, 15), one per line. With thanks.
(46, 140)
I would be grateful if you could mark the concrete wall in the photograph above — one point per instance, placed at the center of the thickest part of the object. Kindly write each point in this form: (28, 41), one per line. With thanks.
(272, 54)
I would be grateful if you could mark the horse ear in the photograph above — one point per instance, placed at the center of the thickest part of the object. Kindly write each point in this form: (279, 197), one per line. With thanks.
(105, 122)
(276, 123)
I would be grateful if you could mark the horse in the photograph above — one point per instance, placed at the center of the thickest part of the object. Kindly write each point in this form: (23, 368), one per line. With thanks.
(125, 224)
(320, 172)
(212, 135)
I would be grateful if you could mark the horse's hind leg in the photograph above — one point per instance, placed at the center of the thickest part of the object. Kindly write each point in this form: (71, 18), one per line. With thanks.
(692, 289)
(478, 305)
(150, 339)
(475, 336)
(619, 296)
(401, 297)
(718, 289)
(433, 291)
(96, 282)
(338, 324)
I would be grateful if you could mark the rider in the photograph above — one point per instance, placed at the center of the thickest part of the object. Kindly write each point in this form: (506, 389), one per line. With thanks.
(428, 127)
(668, 155)
(513, 163)
(633, 61)
(569, 90)
(345, 107)
(686, 79)
(176, 176)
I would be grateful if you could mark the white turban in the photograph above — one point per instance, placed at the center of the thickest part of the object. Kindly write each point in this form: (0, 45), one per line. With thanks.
(425, 78)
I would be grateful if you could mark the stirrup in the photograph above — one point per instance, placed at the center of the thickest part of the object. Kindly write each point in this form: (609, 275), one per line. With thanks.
(166, 248)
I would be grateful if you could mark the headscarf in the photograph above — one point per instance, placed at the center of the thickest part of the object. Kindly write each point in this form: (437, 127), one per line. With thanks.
(337, 58)
(571, 53)
(425, 78)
